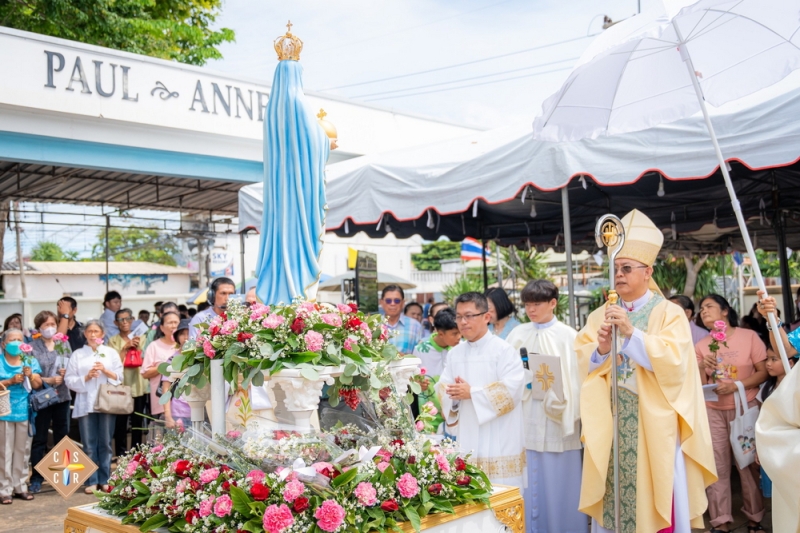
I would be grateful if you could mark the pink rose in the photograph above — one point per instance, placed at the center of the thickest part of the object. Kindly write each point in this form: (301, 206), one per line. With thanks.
(314, 341)
(384, 332)
(208, 475)
(277, 519)
(344, 308)
(130, 469)
(408, 486)
(718, 336)
(293, 490)
(420, 425)
(229, 326)
(273, 321)
(157, 448)
(60, 337)
(233, 434)
(332, 319)
(350, 344)
(366, 494)
(365, 330)
(25, 348)
(207, 507)
(256, 476)
(720, 325)
(208, 349)
(422, 371)
(383, 465)
(384, 454)
(444, 464)
(223, 506)
(305, 309)
(329, 515)
(181, 486)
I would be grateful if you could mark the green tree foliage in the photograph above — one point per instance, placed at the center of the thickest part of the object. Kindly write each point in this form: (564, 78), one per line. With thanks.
(433, 252)
(179, 30)
(51, 251)
(136, 244)
(462, 284)
(771, 266)
(670, 274)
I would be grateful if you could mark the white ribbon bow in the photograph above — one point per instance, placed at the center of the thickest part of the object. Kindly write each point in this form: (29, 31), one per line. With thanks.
(364, 455)
(299, 467)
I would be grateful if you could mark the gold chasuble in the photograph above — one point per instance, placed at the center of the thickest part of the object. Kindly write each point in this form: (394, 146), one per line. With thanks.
(659, 407)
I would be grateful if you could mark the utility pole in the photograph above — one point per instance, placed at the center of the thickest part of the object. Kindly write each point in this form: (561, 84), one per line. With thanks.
(20, 261)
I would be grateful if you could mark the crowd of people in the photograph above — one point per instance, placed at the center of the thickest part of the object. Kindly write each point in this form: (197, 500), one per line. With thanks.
(75, 359)
(555, 446)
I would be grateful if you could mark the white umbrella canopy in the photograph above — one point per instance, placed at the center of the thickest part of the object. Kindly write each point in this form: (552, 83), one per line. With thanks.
(633, 76)
(666, 64)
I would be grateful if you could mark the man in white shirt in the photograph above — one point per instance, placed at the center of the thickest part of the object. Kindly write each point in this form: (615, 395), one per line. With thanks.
(218, 294)
(552, 427)
(480, 392)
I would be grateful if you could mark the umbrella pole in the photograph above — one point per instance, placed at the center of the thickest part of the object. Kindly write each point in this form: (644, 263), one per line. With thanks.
(737, 208)
(568, 254)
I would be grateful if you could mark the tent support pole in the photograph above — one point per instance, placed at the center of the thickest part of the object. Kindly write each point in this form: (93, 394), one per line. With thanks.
(483, 259)
(568, 254)
(723, 166)
(241, 252)
(786, 281)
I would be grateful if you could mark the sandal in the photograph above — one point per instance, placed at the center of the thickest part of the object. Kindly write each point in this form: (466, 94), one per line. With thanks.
(27, 496)
(758, 528)
(6, 500)
(90, 489)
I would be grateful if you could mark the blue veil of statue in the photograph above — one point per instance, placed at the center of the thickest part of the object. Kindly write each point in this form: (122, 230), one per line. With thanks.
(295, 151)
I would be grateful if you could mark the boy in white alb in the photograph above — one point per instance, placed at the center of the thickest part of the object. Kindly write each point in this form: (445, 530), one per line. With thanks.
(552, 426)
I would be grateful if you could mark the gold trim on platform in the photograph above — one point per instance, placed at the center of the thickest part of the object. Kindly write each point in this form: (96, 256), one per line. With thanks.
(506, 503)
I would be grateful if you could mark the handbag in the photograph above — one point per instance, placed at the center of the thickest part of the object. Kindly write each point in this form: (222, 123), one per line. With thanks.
(133, 358)
(743, 429)
(43, 398)
(113, 400)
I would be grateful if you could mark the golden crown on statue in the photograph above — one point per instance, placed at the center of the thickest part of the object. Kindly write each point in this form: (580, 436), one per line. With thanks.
(288, 46)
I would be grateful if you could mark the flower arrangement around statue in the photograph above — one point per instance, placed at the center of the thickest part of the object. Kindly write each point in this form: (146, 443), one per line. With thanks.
(174, 484)
(303, 336)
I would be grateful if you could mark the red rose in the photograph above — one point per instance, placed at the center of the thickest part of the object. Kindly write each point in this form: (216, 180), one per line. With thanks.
(131, 511)
(397, 443)
(354, 323)
(353, 307)
(224, 316)
(300, 504)
(182, 467)
(224, 468)
(463, 480)
(411, 460)
(330, 473)
(259, 492)
(194, 485)
(298, 325)
(460, 464)
(242, 336)
(435, 489)
(213, 331)
(192, 515)
(226, 486)
(384, 393)
(138, 458)
(389, 506)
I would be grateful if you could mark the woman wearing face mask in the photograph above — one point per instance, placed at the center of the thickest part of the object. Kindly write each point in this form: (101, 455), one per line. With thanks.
(161, 350)
(53, 357)
(89, 368)
(15, 451)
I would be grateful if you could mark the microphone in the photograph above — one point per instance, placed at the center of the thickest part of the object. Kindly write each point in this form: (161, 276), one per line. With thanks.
(523, 353)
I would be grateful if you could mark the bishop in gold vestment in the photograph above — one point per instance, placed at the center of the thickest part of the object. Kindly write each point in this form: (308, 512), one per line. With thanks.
(666, 456)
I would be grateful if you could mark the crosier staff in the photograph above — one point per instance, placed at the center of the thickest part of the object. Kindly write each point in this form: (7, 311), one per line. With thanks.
(610, 234)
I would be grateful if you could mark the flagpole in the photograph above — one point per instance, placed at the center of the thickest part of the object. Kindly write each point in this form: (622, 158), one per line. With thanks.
(737, 208)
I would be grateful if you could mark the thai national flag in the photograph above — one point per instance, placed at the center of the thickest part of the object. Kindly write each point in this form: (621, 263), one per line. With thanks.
(471, 249)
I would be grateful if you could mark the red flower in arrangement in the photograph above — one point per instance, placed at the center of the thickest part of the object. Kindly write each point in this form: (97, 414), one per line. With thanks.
(463, 480)
(213, 331)
(194, 485)
(242, 336)
(226, 485)
(259, 492)
(397, 443)
(354, 323)
(182, 467)
(224, 316)
(353, 307)
(298, 325)
(460, 464)
(131, 511)
(192, 515)
(435, 489)
(224, 468)
(384, 393)
(138, 458)
(389, 506)
(330, 472)
(411, 460)
(350, 397)
(300, 504)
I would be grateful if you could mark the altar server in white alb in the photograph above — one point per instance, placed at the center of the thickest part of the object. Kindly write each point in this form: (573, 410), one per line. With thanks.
(552, 424)
(481, 392)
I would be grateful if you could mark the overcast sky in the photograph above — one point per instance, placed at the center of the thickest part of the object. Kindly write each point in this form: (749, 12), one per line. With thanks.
(349, 42)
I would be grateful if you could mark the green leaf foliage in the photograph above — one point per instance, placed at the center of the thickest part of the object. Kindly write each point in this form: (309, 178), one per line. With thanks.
(136, 244)
(51, 251)
(177, 30)
(433, 252)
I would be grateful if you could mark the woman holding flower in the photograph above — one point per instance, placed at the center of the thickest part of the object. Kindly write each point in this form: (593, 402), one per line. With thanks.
(161, 350)
(52, 351)
(89, 368)
(727, 355)
(19, 373)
